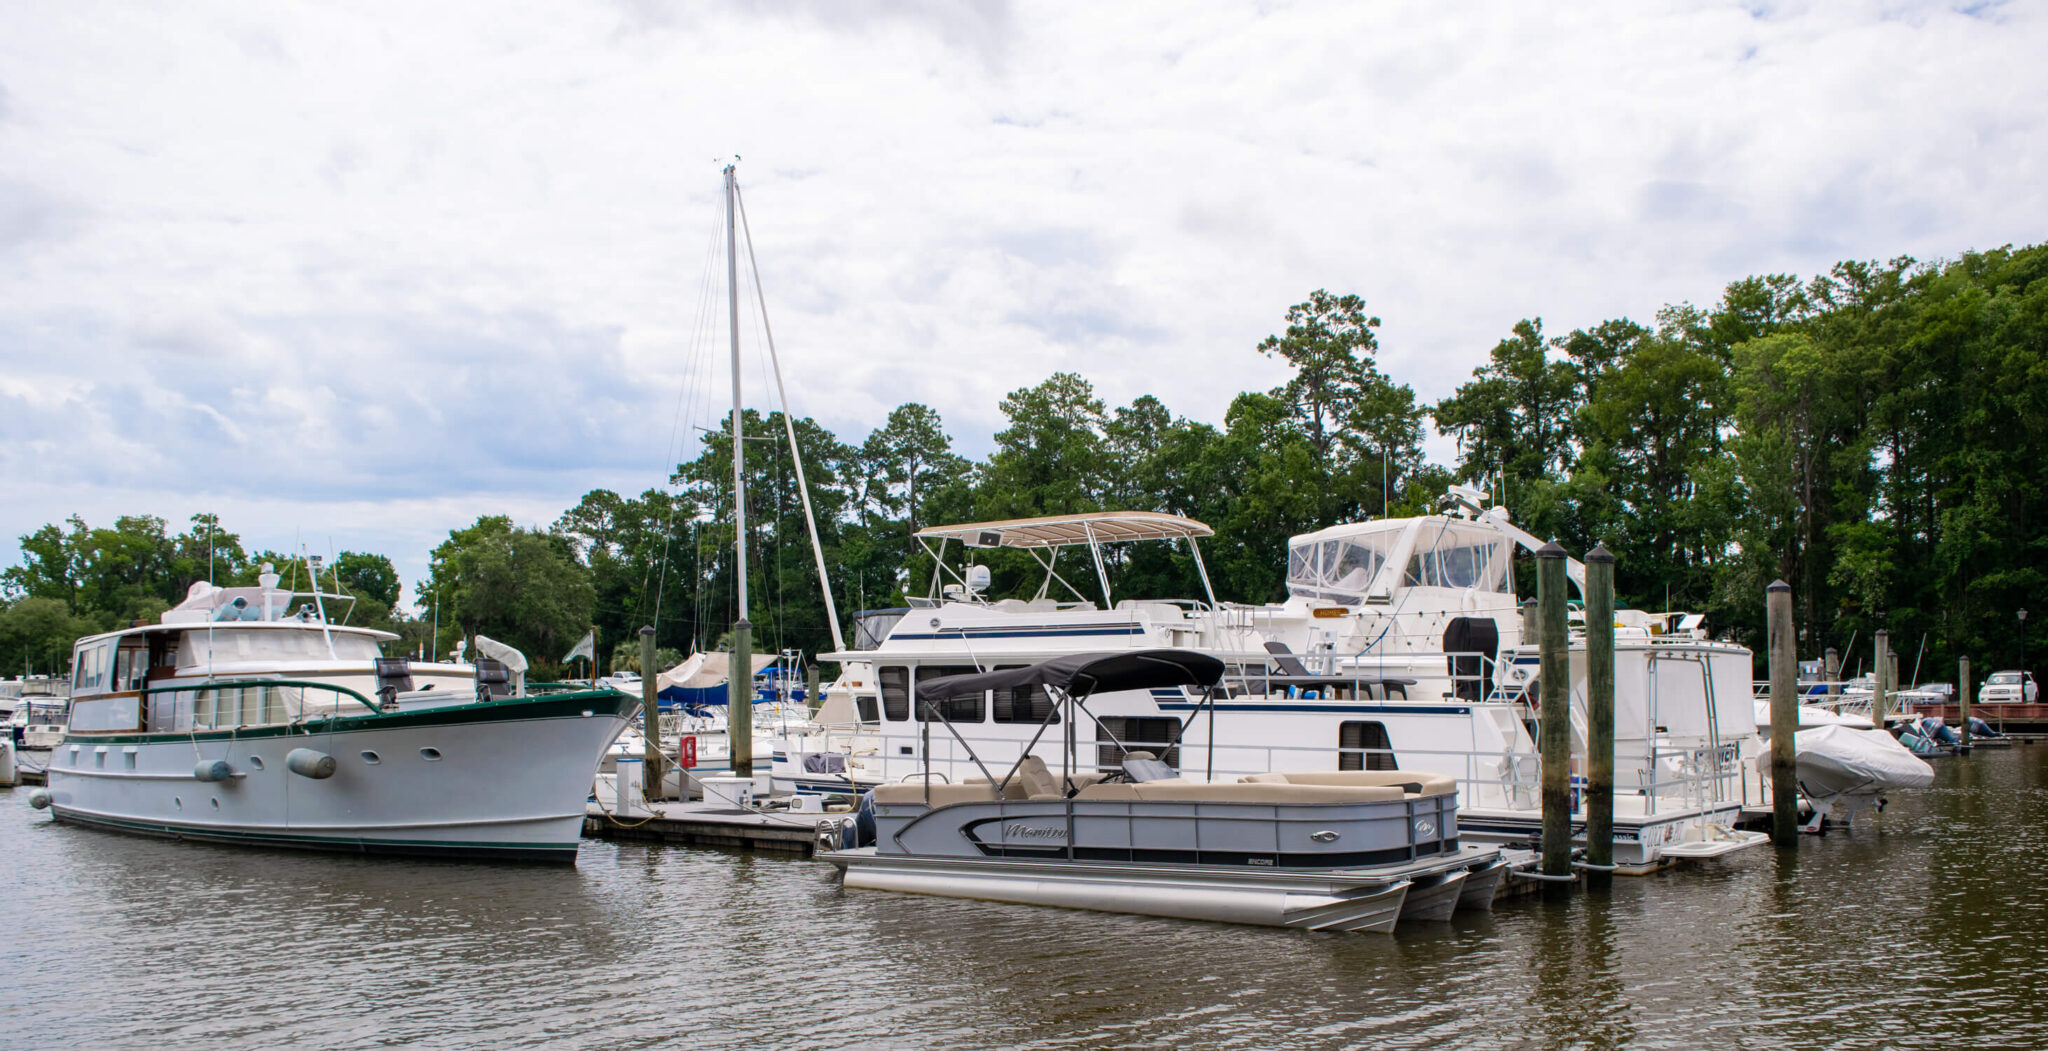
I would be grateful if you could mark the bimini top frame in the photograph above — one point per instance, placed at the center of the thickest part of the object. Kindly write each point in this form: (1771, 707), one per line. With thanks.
(1052, 532)
(1072, 679)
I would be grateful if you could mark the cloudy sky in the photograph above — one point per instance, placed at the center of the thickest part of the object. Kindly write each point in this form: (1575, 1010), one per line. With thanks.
(352, 275)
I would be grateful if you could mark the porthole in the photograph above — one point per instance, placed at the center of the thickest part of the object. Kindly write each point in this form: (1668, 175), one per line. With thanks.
(372, 758)
(432, 755)
(256, 762)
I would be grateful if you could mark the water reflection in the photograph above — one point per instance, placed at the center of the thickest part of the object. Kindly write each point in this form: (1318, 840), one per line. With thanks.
(1916, 931)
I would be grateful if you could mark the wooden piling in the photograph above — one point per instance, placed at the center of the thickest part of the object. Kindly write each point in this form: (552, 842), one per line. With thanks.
(1784, 665)
(1831, 671)
(812, 699)
(739, 715)
(1554, 722)
(1963, 698)
(1880, 695)
(651, 774)
(1599, 716)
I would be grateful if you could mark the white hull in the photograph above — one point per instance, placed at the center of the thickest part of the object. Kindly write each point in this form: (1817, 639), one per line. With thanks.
(506, 779)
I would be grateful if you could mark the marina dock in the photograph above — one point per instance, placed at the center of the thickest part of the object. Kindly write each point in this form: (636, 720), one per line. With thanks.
(700, 824)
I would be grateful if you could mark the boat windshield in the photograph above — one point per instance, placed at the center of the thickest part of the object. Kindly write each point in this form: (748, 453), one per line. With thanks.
(257, 644)
(872, 626)
(1340, 570)
(1455, 557)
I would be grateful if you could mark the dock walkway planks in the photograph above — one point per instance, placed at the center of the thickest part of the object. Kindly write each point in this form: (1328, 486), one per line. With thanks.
(709, 825)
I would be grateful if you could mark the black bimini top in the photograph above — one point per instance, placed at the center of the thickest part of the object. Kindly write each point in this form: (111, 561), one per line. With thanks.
(1081, 674)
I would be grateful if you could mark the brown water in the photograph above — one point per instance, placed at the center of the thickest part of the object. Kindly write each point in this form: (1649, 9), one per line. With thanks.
(1922, 930)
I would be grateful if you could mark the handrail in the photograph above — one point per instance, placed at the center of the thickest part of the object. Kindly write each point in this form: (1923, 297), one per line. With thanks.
(244, 683)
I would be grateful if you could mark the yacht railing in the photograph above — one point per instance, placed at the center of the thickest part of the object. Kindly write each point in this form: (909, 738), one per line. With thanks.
(1677, 782)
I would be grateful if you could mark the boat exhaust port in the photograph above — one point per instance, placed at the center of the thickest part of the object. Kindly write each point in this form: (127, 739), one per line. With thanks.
(213, 770)
(306, 762)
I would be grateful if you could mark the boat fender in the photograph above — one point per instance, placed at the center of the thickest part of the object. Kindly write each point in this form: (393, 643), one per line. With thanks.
(40, 799)
(213, 770)
(306, 762)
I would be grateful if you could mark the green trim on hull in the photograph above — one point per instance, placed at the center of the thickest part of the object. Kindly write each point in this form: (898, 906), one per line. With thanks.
(563, 854)
(606, 703)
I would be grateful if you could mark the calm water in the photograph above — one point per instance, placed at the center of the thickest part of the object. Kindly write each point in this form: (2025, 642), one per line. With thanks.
(1925, 930)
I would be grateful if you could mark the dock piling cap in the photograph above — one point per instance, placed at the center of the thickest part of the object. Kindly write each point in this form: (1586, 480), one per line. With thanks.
(1778, 585)
(1600, 554)
(1551, 550)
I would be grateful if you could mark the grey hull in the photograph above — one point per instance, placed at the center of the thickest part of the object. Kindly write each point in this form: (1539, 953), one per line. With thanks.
(1432, 898)
(1309, 902)
(1482, 885)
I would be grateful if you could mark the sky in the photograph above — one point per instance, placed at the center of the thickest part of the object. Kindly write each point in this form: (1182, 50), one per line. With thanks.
(350, 276)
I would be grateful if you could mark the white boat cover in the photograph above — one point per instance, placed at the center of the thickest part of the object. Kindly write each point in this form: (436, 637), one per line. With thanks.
(706, 669)
(1810, 715)
(1836, 759)
(504, 652)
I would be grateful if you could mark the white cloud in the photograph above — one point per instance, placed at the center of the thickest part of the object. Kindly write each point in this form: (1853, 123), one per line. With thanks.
(381, 271)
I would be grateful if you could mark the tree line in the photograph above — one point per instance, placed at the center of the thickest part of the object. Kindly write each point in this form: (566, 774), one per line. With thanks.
(1872, 435)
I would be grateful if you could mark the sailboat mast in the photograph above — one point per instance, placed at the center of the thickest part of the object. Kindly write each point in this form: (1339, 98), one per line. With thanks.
(739, 669)
(739, 443)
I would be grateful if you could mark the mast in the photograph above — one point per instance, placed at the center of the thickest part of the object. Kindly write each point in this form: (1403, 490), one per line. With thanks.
(739, 444)
(739, 671)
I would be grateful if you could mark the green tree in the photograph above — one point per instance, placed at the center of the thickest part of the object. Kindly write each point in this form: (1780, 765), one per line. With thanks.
(36, 634)
(367, 575)
(519, 586)
(1330, 342)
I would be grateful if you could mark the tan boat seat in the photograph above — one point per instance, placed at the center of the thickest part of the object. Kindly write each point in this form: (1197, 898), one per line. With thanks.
(1039, 782)
(1413, 782)
(941, 795)
(1013, 790)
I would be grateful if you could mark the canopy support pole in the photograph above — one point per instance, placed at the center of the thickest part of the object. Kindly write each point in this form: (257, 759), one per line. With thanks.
(1101, 574)
(1196, 550)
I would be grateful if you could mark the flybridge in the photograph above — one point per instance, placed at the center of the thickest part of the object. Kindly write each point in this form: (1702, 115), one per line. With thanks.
(264, 603)
(1044, 536)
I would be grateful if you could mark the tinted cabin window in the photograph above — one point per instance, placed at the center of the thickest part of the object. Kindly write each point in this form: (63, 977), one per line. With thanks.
(958, 709)
(1372, 737)
(1161, 737)
(1025, 704)
(868, 709)
(895, 683)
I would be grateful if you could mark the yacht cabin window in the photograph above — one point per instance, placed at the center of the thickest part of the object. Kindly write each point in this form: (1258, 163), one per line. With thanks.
(1365, 746)
(957, 709)
(90, 667)
(1455, 558)
(895, 683)
(1338, 570)
(1024, 704)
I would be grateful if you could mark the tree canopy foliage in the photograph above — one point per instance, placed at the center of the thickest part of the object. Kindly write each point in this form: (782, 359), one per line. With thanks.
(1873, 435)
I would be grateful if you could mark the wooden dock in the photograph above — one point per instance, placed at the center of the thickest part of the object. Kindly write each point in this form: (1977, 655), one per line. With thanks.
(2013, 720)
(699, 824)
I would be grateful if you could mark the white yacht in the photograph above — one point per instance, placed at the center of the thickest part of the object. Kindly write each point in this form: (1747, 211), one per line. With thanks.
(1399, 647)
(239, 719)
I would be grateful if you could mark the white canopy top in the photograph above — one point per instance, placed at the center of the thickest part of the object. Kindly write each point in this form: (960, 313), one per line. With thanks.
(1067, 530)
